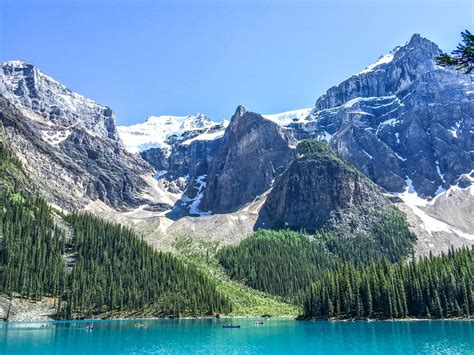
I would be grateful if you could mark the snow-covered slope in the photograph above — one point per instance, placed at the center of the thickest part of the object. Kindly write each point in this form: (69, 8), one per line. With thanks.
(285, 118)
(444, 222)
(165, 131)
(434, 214)
(384, 59)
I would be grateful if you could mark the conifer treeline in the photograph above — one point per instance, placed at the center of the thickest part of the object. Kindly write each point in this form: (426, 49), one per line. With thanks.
(31, 248)
(278, 262)
(284, 262)
(431, 287)
(114, 268)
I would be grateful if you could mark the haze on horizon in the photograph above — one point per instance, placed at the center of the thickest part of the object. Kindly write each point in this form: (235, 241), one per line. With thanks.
(146, 58)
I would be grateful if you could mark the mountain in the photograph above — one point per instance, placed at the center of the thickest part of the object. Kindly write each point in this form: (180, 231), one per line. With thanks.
(252, 153)
(386, 153)
(69, 144)
(407, 124)
(401, 118)
(55, 105)
(176, 146)
(319, 191)
(165, 132)
(404, 122)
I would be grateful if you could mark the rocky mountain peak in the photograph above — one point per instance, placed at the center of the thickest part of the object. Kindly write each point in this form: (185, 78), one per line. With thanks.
(321, 191)
(392, 73)
(253, 151)
(421, 42)
(240, 111)
(239, 114)
(401, 119)
(27, 87)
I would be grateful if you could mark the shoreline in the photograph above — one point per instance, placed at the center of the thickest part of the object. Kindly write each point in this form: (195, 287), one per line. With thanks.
(372, 320)
(291, 318)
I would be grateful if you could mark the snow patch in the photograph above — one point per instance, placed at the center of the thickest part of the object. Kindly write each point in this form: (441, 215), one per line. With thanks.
(454, 130)
(325, 136)
(385, 59)
(355, 100)
(55, 137)
(285, 118)
(439, 171)
(370, 156)
(410, 196)
(194, 202)
(399, 157)
(205, 137)
(360, 113)
(397, 136)
(390, 122)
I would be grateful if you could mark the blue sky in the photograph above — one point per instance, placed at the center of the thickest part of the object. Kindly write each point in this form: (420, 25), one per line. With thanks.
(178, 57)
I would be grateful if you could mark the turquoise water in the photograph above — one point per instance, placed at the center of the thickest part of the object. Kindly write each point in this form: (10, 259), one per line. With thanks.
(206, 336)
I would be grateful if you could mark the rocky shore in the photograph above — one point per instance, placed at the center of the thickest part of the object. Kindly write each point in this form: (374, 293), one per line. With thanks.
(22, 310)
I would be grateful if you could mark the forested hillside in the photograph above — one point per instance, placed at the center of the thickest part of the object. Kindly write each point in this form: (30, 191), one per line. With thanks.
(110, 271)
(115, 270)
(431, 287)
(31, 248)
(284, 262)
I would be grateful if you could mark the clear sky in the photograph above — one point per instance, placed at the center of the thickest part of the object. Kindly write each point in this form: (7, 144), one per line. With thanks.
(179, 57)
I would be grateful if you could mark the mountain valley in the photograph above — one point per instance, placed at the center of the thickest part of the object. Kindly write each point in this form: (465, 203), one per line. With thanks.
(381, 168)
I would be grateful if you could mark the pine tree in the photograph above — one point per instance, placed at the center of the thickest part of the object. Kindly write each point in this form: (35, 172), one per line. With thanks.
(462, 58)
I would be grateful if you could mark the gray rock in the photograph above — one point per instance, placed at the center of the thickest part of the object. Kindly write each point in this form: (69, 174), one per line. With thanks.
(321, 191)
(67, 143)
(26, 86)
(252, 153)
(403, 119)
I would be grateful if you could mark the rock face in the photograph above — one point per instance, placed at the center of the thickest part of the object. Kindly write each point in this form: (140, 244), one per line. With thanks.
(185, 160)
(67, 143)
(253, 152)
(320, 191)
(402, 118)
(26, 86)
(178, 147)
(218, 167)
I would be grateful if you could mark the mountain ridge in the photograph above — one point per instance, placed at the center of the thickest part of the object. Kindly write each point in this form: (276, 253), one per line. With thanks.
(403, 122)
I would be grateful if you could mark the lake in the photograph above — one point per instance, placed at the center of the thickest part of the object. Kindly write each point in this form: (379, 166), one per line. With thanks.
(206, 336)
